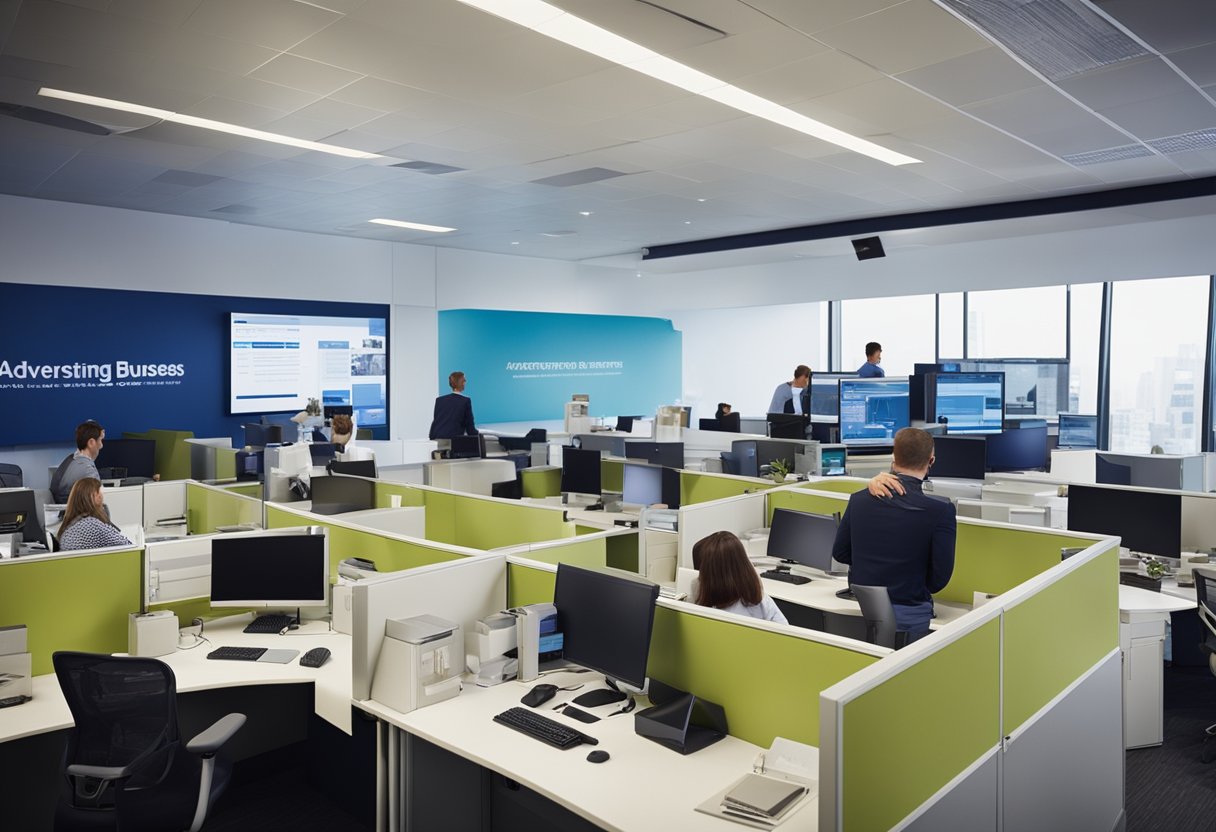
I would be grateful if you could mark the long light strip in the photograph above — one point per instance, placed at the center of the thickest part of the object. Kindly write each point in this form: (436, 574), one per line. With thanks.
(549, 20)
(206, 124)
(416, 226)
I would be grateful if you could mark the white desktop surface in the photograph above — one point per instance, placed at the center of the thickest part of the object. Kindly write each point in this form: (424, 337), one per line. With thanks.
(1135, 600)
(48, 711)
(820, 594)
(642, 786)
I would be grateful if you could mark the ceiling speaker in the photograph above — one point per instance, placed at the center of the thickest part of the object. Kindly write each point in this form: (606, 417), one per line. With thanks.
(867, 248)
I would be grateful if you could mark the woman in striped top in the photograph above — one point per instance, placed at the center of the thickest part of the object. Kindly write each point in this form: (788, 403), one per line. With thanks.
(86, 524)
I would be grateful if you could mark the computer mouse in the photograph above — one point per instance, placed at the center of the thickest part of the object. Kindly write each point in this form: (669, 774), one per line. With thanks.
(597, 756)
(539, 695)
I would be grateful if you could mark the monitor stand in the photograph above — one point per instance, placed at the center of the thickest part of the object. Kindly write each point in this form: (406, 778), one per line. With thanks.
(601, 696)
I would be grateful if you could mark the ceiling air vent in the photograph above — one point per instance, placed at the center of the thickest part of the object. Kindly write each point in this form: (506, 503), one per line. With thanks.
(235, 208)
(579, 177)
(1195, 140)
(1057, 38)
(1109, 154)
(433, 168)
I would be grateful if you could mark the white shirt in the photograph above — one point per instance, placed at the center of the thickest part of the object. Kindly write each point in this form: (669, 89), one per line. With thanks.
(765, 610)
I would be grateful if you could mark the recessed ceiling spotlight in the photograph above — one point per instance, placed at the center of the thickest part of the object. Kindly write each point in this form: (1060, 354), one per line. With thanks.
(584, 213)
(414, 226)
(702, 199)
(688, 222)
(562, 233)
(515, 242)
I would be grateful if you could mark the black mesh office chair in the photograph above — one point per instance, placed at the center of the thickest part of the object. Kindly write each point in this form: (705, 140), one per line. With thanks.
(125, 766)
(1205, 594)
(11, 476)
(879, 616)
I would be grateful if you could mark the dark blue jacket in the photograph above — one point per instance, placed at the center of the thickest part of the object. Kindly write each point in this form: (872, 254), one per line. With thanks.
(453, 417)
(905, 543)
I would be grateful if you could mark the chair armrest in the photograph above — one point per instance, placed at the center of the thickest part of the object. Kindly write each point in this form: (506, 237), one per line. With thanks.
(209, 741)
(99, 772)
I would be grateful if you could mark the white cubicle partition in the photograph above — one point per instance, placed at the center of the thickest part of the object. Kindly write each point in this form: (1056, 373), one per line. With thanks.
(468, 476)
(1074, 466)
(165, 508)
(461, 590)
(406, 520)
(1198, 522)
(125, 504)
(732, 514)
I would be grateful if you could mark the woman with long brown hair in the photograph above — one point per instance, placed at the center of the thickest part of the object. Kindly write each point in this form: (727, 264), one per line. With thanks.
(727, 579)
(86, 524)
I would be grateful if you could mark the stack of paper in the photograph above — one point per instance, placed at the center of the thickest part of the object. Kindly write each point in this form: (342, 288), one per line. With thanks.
(762, 799)
(781, 777)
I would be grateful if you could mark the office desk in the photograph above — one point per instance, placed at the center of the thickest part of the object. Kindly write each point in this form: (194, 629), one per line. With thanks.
(1142, 618)
(642, 787)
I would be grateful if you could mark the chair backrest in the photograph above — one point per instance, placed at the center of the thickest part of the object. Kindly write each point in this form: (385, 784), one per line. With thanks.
(730, 423)
(878, 614)
(536, 435)
(624, 423)
(1205, 594)
(11, 476)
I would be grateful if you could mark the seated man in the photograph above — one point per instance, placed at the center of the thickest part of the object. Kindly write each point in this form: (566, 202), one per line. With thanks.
(77, 466)
(904, 542)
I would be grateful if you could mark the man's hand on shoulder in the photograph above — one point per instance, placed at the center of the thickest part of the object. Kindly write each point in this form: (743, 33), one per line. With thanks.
(885, 485)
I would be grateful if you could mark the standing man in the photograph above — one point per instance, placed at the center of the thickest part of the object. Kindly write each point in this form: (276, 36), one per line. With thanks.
(83, 463)
(453, 413)
(793, 396)
(873, 357)
(904, 542)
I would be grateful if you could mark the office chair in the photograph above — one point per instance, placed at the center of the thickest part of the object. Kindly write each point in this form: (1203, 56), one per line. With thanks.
(125, 766)
(624, 424)
(1205, 594)
(730, 423)
(11, 476)
(879, 616)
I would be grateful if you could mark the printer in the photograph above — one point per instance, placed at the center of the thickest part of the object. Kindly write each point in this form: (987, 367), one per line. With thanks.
(486, 646)
(420, 662)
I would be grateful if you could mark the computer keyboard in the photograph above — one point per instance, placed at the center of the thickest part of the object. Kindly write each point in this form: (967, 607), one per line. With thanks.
(240, 654)
(269, 623)
(784, 577)
(544, 729)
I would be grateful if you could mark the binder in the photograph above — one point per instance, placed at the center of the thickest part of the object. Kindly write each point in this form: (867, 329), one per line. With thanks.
(776, 788)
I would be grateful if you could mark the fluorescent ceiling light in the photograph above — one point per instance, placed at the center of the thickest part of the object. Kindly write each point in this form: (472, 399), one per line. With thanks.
(555, 23)
(416, 226)
(206, 124)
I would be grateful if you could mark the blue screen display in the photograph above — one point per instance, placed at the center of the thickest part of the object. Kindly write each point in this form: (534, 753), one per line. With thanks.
(872, 410)
(1077, 431)
(971, 402)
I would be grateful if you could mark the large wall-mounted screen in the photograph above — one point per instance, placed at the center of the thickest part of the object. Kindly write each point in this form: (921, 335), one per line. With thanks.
(279, 362)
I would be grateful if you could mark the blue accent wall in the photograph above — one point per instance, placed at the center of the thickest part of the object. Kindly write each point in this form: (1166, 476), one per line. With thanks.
(524, 366)
(166, 355)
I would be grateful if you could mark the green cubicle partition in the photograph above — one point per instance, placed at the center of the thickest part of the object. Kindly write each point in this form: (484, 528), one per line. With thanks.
(697, 487)
(837, 485)
(541, 482)
(71, 601)
(208, 507)
(612, 475)
(247, 489)
(172, 452)
(589, 551)
(477, 522)
(529, 583)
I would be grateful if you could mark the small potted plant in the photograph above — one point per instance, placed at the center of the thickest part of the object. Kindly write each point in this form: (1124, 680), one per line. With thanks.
(778, 470)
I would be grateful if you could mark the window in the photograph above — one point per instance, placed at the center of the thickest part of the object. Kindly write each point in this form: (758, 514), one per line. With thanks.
(1157, 352)
(950, 325)
(904, 326)
(1085, 323)
(1017, 323)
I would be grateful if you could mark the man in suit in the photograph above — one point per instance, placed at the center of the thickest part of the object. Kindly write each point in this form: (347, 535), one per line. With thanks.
(904, 542)
(793, 396)
(453, 413)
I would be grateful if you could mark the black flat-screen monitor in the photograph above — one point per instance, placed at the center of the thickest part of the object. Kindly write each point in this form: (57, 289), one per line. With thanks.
(624, 424)
(1148, 521)
(277, 571)
(606, 445)
(730, 423)
(322, 452)
(1078, 431)
(960, 457)
(606, 620)
(803, 538)
(354, 468)
(507, 489)
(468, 447)
(250, 464)
(872, 411)
(667, 454)
(1021, 449)
(138, 456)
(580, 471)
(19, 513)
(970, 402)
(329, 411)
(707, 424)
(340, 494)
(825, 395)
(787, 425)
(258, 435)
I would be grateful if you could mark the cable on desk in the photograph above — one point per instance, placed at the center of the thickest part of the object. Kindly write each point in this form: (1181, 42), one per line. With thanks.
(199, 639)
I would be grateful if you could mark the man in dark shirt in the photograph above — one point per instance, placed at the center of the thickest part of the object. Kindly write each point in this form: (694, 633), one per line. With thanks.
(453, 413)
(82, 464)
(904, 542)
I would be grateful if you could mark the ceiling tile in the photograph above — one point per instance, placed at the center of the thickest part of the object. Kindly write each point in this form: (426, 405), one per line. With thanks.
(1125, 83)
(1164, 116)
(976, 76)
(821, 14)
(906, 36)
(1177, 24)
(821, 74)
(304, 74)
(1197, 63)
(278, 24)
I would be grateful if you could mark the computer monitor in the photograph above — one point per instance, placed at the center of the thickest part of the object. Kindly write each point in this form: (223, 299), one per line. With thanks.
(787, 425)
(970, 402)
(872, 410)
(249, 465)
(730, 423)
(825, 395)
(959, 457)
(507, 489)
(1148, 521)
(580, 471)
(270, 571)
(338, 494)
(137, 456)
(468, 447)
(832, 460)
(624, 424)
(802, 538)
(19, 515)
(742, 457)
(707, 424)
(322, 452)
(606, 445)
(606, 619)
(1021, 449)
(641, 484)
(258, 435)
(332, 410)
(1078, 431)
(667, 454)
(354, 468)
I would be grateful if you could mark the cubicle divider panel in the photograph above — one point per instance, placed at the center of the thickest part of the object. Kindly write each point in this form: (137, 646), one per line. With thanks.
(225, 463)
(76, 601)
(208, 507)
(622, 550)
(1058, 634)
(541, 482)
(172, 452)
(530, 583)
(838, 485)
(245, 489)
(696, 487)
(589, 551)
(409, 495)
(612, 475)
(766, 676)
(733, 514)
(904, 739)
(995, 558)
(491, 524)
(800, 500)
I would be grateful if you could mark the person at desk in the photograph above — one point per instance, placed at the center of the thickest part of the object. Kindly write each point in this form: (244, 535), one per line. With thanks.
(873, 357)
(90, 437)
(904, 542)
(453, 413)
(341, 430)
(86, 525)
(727, 581)
(723, 410)
(793, 396)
